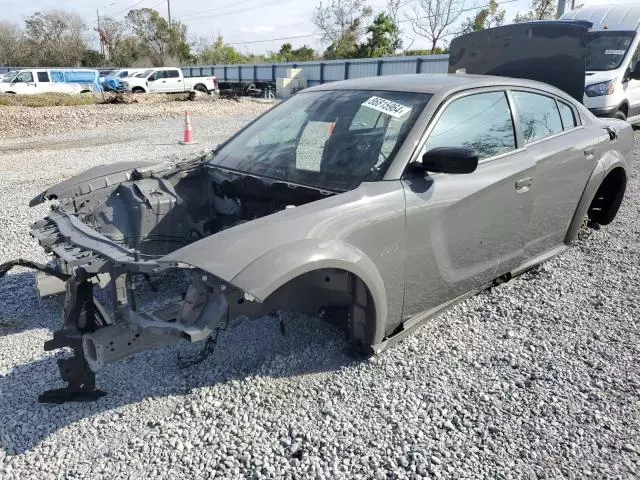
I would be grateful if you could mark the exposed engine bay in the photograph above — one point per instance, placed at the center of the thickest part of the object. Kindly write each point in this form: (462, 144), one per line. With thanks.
(157, 214)
(105, 237)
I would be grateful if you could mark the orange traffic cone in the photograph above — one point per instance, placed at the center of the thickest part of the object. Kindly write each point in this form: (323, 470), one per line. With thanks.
(188, 132)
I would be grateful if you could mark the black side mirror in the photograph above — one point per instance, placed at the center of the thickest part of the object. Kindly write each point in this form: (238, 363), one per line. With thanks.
(450, 160)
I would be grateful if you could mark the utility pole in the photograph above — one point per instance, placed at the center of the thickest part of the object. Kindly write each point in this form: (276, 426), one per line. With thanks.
(169, 11)
(100, 32)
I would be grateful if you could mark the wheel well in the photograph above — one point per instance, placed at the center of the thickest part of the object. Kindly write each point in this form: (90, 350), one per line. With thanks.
(624, 107)
(607, 200)
(85, 91)
(137, 89)
(336, 295)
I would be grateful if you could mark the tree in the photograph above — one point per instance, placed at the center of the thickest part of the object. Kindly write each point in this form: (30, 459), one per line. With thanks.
(381, 42)
(111, 33)
(56, 38)
(393, 12)
(157, 40)
(288, 54)
(13, 48)
(341, 22)
(432, 19)
(92, 58)
(220, 53)
(491, 16)
(128, 53)
(540, 10)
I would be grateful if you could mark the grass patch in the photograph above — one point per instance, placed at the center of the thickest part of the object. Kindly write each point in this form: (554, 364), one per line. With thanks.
(46, 100)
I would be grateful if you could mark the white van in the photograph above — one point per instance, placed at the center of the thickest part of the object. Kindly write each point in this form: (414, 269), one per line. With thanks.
(613, 58)
(31, 81)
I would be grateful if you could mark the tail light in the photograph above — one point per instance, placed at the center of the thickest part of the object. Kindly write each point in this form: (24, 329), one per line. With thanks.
(215, 82)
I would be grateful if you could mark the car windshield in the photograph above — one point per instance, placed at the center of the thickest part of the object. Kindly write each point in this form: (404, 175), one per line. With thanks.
(607, 49)
(332, 139)
(143, 74)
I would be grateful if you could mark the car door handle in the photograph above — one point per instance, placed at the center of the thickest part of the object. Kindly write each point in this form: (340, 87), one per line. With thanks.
(523, 184)
(179, 81)
(589, 153)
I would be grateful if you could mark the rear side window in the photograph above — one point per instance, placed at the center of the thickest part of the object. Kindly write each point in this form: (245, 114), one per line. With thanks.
(538, 115)
(173, 74)
(481, 122)
(43, 77)
(566, 113)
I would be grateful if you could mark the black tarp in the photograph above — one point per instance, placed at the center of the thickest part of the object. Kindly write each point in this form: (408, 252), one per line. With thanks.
(552, 52)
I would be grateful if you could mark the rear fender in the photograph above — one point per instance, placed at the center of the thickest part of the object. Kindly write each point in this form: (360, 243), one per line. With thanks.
(608, 162)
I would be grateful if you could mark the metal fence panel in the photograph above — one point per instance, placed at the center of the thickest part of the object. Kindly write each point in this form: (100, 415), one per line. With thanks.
(435, 65)
(263, 72)
(317, 72)
(334, 71)
(363, 69)
(398, 67)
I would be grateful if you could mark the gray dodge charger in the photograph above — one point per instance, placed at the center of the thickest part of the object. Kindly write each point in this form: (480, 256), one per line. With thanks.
(376, 203)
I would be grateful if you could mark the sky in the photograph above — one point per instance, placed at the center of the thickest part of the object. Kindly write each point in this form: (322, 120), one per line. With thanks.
(252, 26)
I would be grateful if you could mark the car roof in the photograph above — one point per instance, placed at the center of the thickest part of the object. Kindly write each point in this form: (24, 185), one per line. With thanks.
(434, 83)
(617, 16)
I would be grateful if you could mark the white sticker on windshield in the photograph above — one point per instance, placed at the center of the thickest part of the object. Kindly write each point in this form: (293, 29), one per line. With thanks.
(396, 110)
(614, 52)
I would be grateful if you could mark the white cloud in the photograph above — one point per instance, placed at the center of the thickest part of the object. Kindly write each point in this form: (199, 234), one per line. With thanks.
(258, 29)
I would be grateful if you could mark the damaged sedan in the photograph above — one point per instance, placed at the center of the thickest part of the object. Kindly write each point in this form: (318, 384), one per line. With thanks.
(376, 203)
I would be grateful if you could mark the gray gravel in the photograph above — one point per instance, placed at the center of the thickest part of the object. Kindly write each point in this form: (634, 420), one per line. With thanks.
(23, 122)
(539, 378)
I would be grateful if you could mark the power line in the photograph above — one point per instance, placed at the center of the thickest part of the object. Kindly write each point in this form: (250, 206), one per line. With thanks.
(318, 34)
(459, 12)
(195, 14)
(240, 10)
(128, 8)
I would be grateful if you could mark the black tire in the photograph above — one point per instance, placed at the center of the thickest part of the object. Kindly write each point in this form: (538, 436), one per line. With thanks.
(201, 88)
(137, 90)
(621, 115)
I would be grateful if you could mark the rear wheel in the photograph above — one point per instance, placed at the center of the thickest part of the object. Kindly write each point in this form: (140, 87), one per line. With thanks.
(201, 88)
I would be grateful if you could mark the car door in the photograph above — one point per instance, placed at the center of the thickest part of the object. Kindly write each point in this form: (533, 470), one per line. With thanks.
(461, 227)
(564, 154)
(174, 81)
(633, 88)
(24, 83)
(157, 81)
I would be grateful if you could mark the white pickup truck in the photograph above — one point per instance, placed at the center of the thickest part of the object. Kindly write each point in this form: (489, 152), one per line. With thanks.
(169, 80)
(46, 80)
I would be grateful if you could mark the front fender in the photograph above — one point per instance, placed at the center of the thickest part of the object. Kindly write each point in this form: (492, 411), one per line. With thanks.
(275, 268)
(267, 273)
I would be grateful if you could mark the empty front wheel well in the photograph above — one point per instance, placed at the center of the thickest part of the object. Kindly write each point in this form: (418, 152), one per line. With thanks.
(607, 200)
(336, 295)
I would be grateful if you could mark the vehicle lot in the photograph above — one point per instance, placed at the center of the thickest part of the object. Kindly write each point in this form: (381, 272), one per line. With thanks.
(537, 378)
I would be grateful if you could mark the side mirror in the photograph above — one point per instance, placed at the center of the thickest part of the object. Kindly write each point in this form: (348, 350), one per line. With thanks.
(449, 160)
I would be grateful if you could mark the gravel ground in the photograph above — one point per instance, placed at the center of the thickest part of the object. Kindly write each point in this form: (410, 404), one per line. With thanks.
(538, 378)
(26, 122)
